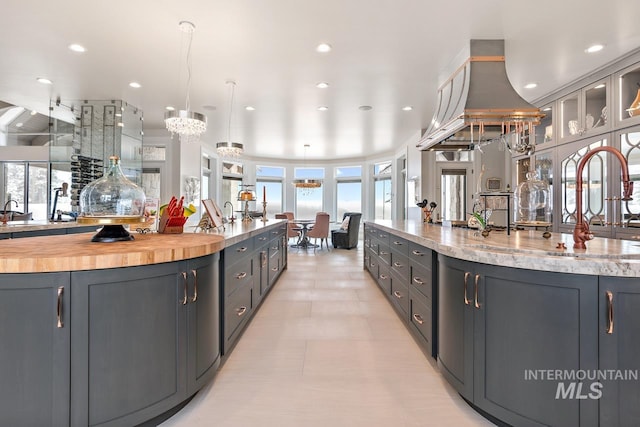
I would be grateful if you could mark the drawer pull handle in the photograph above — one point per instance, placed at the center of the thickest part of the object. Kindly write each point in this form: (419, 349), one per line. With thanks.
(195, 286)
(609, 312)
(59, 306)
(417, 253)
(274, 269)
(418, 319)
(384, 253)
(373, 264)
(397, 294)
(240, 311)
(241, 275)
(184, 281)
(262, 239)
(397, 264)
(383, 277)
(418, 281)
(475, 287)
(466, 279)
(242, 249)
(263, 259)
(397, 243)
(366, 258)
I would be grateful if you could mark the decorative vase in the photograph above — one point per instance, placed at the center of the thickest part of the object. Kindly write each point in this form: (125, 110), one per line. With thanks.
(634, 108)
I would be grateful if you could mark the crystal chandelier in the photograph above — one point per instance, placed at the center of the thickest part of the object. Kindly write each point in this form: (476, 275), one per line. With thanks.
(188, 125)
(307, 185)
(228, 148)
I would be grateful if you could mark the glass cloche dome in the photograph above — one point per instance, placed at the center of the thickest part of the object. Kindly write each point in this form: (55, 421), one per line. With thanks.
(532, 201)
(111, 201)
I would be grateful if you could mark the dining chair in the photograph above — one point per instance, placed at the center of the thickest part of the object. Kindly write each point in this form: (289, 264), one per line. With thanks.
(320, 229)
(292, 229)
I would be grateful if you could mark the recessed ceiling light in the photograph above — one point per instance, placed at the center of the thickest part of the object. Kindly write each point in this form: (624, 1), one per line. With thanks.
(323, 108)
(77, 48)
(34, 112)
(19, 125)
(531, 85)
(169, 108)
(44, 81)
(322, 85)
(547, 109)
(323, 48)
(600, 86)
(365, 107)
(407, 108)
(249, 108)
(594, 48)
(135, 85)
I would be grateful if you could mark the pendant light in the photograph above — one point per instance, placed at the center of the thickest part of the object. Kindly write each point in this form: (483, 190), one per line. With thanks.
(307, 184)
(187, 124)
(228, 148)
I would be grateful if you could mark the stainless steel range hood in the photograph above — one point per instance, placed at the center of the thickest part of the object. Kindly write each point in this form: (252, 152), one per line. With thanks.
(478, 103)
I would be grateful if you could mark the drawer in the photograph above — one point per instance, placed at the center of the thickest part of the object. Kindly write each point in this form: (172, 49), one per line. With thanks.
(261, 240)
(383, 237)
(399, 245)
(384, 253)
(277, 233)
(400, 266)
(420, 254)
(236, 275)
(274, 268)
(422, 280)
(238, 251)
(384, 279)
(400, 295)
(237, 310)
(422, 318)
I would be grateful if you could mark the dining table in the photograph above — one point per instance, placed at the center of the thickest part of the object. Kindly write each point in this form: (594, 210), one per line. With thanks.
(304, 226)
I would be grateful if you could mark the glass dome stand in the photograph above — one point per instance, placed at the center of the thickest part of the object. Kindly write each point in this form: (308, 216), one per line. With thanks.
(113, 228)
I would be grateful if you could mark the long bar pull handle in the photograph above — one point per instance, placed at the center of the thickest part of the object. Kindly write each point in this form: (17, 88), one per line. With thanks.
(195, 286)
(609, 312)
(477, 304)
(59, 306)
(184, 280)
(466, 279)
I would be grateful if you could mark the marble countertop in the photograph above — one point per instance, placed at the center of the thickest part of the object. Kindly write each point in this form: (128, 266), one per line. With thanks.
(524, 249)
(239, 231)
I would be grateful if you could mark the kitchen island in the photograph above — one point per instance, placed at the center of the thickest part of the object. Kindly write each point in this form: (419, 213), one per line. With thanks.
(501, 312)
(111, 333)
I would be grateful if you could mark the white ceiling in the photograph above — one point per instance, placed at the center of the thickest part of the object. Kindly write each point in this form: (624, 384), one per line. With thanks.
(386, 54)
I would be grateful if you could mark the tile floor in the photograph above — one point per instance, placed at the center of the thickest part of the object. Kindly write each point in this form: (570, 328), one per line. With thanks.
(326, 349)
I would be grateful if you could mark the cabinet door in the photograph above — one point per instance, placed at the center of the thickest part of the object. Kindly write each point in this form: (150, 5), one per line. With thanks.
(34, 360)
(455, 324)
(128, 344)
(203, 321)
(530, 321)
(619, 332)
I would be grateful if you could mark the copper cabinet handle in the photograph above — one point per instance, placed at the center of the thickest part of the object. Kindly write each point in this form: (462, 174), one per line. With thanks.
(609, 312)
(195, 286)
(418, 280)
(397, 264)
(184, 280)
(59, 307)
(466, 278)
(397, 294)
(475, 287)
(417, 252)
(418, 319)
(241, 275)
(240, 311)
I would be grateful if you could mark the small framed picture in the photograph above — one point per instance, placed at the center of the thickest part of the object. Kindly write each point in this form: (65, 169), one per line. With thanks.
(494, 184)
(214, 212)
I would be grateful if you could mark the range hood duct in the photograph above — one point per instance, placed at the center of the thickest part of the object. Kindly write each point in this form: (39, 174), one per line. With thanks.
(477, 103)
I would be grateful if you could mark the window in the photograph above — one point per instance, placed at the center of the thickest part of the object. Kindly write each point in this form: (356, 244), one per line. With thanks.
(453, 194)
(382, 190)
(308, 200)
(269, 179)
(231, 182)
(348, 190)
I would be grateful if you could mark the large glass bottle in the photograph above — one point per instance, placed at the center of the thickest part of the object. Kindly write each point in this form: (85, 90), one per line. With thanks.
(531, 201)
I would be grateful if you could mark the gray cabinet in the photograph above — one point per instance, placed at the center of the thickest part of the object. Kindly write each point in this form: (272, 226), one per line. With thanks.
(499, 326)
(619, 334)
(34, 360)
(143, 339)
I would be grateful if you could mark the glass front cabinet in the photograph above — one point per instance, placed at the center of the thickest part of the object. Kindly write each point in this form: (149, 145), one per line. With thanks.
(585, 112)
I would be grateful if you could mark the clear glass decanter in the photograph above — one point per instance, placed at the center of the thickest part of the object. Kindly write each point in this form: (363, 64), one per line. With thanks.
(532, 201)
